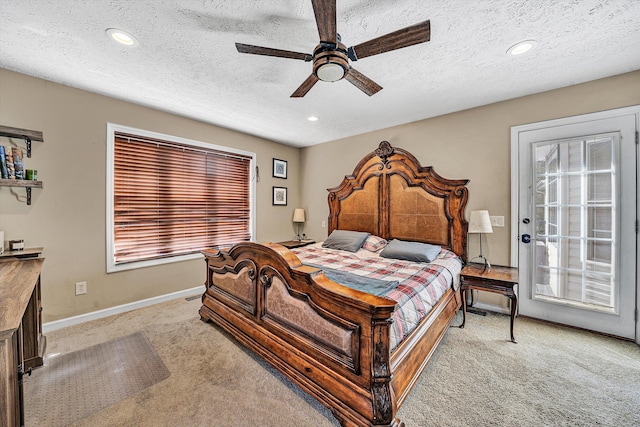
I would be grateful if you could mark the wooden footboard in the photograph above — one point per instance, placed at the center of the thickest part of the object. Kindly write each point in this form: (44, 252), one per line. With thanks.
(331, 340)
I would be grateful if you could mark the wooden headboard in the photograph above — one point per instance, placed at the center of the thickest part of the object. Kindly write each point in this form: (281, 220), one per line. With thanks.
(392, 196)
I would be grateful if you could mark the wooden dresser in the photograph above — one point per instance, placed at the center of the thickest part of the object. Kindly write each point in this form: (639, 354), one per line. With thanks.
(22, 344)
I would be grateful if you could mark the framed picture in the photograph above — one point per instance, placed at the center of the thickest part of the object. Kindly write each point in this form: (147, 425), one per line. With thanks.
(280, 168)
(280, 196)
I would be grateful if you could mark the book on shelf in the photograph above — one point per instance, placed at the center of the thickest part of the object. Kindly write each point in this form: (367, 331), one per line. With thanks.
(3, 164)
(18, 162)
(8, 155)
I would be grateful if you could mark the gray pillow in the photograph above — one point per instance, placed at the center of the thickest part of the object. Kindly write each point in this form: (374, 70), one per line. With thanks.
(410, 251)
(345, 240)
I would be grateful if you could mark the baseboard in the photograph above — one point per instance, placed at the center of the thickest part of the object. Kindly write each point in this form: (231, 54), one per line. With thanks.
(81, 318)
(491, 307)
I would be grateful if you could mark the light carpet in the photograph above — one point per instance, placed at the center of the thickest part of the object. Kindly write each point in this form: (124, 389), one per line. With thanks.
(554, 376)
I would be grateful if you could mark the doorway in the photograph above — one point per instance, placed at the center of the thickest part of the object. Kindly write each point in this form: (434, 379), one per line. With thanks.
(574, 219)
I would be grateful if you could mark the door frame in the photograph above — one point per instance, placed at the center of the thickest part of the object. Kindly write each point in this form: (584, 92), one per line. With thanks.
(515, 179)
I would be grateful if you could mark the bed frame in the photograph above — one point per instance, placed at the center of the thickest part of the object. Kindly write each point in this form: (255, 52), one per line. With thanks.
(331, 340)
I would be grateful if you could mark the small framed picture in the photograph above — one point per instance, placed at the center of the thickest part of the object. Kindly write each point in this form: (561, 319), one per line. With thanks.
(280, 196)
(280, 168)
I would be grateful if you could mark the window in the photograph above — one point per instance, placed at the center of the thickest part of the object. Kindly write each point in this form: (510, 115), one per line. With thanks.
(169, 198)
(575, 219)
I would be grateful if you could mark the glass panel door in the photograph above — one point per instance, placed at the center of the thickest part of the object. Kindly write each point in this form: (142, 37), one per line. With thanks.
(576, 220)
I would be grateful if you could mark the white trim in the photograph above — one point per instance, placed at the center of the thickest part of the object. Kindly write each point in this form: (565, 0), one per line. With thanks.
(637, 237)
(515, 199)
(491, 307)
(112, 128)
(81, 318)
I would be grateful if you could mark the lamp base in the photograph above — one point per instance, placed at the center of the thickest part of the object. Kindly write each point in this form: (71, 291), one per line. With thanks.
(487, 264)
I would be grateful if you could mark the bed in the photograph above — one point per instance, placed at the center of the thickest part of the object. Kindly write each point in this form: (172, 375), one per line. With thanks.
(338, 342)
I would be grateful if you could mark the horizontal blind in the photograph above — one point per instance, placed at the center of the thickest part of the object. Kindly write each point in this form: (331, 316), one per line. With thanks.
(176, 199)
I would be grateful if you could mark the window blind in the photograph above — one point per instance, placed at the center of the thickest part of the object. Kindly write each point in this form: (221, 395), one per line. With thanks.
(175, 199)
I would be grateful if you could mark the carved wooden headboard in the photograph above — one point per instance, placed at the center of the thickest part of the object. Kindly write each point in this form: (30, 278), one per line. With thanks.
(392, 196)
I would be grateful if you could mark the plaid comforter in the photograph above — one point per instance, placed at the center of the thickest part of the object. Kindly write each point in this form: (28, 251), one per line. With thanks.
(420, 286)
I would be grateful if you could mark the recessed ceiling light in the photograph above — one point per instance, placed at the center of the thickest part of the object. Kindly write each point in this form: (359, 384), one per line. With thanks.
(121, 37)
(522, 47)
(312, 118)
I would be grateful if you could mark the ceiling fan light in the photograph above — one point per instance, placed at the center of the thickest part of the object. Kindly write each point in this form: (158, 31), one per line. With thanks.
(330, 72)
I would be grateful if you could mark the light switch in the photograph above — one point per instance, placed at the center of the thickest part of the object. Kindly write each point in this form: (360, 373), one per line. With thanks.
(497, 221)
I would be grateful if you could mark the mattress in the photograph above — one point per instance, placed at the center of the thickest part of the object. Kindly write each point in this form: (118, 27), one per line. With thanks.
(416, 287)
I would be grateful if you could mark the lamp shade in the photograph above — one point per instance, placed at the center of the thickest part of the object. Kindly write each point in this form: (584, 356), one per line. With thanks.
(298, 215)
(480, 222)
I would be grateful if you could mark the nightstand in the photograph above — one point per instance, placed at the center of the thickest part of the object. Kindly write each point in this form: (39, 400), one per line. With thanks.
(497, 279)
(291, 244)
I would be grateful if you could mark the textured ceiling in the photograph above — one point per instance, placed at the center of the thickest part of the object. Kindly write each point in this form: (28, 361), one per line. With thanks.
(186, 62)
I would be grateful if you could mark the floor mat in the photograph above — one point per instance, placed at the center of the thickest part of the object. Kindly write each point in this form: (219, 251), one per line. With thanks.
(91, 379)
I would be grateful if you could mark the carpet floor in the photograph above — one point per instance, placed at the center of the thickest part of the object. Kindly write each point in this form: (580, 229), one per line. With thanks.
(554, 376)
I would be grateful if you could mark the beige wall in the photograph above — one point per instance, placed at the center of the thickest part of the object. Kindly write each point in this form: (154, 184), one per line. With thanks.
(67, 217)
(472, 144)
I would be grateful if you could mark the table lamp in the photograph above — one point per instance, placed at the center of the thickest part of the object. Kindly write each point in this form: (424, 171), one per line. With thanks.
(298, 218)
(480, 222)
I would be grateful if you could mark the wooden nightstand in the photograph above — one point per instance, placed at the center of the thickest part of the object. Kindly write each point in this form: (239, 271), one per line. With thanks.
(497, 279)
(291, 244)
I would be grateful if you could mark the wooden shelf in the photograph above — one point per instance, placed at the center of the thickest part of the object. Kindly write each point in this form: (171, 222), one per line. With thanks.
(26, 134)
(34, 135)
(24, 183)
(20, 183)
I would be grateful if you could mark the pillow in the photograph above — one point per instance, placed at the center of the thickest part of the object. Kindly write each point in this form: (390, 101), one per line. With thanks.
(374, 243)
(410, 251)
(345, 240)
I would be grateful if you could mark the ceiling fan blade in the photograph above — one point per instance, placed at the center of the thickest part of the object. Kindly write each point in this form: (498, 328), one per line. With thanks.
(305, 86)
(362, 82)
(267, 51)
(418, 33)
(325, 11)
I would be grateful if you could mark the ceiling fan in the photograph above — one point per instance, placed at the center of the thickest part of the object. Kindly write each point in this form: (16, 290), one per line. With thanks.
(331, 57)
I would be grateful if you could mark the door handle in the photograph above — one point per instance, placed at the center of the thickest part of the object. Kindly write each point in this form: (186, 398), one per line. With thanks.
(526, 238)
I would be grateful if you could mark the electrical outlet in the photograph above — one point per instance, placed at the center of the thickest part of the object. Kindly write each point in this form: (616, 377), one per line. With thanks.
(497, 221)
(324, 224)
(81, 288)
